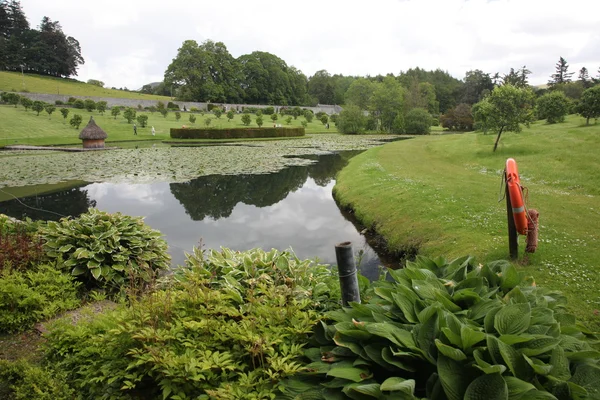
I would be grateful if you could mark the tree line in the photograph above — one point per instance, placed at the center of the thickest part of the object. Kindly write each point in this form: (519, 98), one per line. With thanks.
(46, 50)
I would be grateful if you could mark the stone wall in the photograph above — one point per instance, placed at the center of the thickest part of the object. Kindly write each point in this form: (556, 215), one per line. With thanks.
(112, 101)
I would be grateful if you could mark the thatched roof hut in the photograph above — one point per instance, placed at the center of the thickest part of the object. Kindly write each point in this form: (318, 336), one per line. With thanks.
(92, 135)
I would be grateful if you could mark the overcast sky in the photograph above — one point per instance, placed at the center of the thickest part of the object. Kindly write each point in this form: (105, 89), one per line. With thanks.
(128, 43)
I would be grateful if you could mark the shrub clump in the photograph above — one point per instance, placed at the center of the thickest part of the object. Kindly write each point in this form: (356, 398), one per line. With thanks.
(20, 247)
(418, 122)
(106, 250)
(20, 380)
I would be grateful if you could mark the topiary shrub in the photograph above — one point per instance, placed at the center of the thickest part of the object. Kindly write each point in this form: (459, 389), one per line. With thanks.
(246, 119)
(142, 119)
(418, 122)
(106, 250)
(78, 103)
(172, 106)
(75, 121)
(269, 110)
(89, 104)
(451, 331)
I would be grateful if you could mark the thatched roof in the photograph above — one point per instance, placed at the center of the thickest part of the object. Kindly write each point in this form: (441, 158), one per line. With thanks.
(92, 131)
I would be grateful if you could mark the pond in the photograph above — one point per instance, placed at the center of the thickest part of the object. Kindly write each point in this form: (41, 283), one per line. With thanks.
(290, 208)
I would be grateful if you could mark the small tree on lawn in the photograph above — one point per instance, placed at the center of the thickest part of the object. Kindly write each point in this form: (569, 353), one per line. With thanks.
(324, 119)
(259, 121)
(553, 107)
(504, 110)
(75, 121)
(50, 109)
(218, 112)
(101, 107)
(90, 105)
(351, 120)
(38, 106)
(288, 120)
(116, 110)
(26, 102)
(129, 114)
(207, 121)
(589, 104)
(308, 116)
(12, 98)
(152, 109)
(303, 123)
(177, 115)
(246, 119)
(164, 112)
(418, 122)
(142, 119)
(192, 119)
(65, 113)
(274, 117)
(230, 115)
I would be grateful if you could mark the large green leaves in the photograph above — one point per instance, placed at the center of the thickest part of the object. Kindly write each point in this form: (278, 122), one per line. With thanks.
(487, 387)
(513, 319)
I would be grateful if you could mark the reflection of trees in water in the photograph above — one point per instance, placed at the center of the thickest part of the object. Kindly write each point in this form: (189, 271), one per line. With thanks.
(72, 202)
(215, 196)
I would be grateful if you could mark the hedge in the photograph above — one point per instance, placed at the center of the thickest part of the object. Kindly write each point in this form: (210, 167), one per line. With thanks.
(235, 133)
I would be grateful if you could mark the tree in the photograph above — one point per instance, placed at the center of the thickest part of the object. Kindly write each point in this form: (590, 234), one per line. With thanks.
(192, 119)
(477, 84)
(359, 93)
(308, 115)
(321, 85)
(116, 110)
(259, 121)
(26, 102)
(95, 82)
(517, 78)
(324, 119)
(418, 122)
(288, 121)
(129, 114)
(65, 113)
(142, 119)
(351, 120)
(303, 123)
(207, 121)
(38, 106)
(246, 119)
(230, 115)
(101, 107)
(89, 104)
(387, 102)
(12, 98)
(589, 104)
(273, 117)
(49, 109)
(504, 110)
(75, 121)
(553, 107)
(584, 78)
(177, 115)
(562, 75)
(218, 112)
(164, 112)
(458, 118)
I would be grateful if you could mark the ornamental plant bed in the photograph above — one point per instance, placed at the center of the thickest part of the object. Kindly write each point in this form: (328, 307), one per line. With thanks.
(188, 133)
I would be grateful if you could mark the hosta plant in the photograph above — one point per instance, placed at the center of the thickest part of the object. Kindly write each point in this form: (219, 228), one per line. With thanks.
(452, 331)
(106, 249)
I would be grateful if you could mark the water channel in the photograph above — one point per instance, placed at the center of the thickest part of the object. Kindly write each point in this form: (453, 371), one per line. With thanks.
(292, 208)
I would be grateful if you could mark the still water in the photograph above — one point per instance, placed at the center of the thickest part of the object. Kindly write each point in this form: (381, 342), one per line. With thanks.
(292, 208)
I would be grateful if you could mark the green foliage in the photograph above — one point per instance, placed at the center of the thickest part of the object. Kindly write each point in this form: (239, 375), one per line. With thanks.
(177, 115)
(50, 109)
(20, 380)
(11, 98)
(38, 106)
(107, 250)
(274, 117)
(164, 112)
(552, 106)
(308, 115)
(101, 107)
(27, 297)
(64, 112)
(259, 121)
(458, 118)
(79, 104)
(387, 102)
(288, 121)
(207, 121)
(129, 114)
(269, 110)
(192, 119)
(418, 122)
(246, 119)
(89, 104)
(303, 123)
(142, 119)
(258, 112)
(324, 119)
(351, 120)
(20, 247)
(95, 82)
(218, 112)
(172, 106)
(228, 325)
(26, 102)
(359, 93)
(589, 104)
(115, 111)
(75, 121)
(230, 115)
(453, 330)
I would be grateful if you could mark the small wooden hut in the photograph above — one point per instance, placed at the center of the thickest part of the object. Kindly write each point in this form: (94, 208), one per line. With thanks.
(93, 136)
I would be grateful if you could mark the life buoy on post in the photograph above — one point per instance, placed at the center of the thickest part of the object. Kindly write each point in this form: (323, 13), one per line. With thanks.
(515, 193)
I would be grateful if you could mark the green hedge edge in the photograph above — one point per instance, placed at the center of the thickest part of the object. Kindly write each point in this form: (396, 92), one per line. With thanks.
(235, 133)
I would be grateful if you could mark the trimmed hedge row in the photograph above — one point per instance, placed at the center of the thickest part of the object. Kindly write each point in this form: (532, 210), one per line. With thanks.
(235, 133)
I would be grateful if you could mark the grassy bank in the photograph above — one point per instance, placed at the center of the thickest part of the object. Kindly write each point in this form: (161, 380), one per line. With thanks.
(439, 195)
(15, 82)
(25, 127)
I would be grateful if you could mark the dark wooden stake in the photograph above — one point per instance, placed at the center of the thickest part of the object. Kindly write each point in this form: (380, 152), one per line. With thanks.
(513, 243)
(347, 272)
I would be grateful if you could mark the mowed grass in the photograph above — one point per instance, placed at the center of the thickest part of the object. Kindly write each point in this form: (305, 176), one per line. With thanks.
(26, 127)
(439, 195)
(15, 82)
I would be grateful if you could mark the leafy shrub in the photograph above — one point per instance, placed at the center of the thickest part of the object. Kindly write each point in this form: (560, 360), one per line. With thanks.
(230, 115)
(194, 109)
(246, 119)
(152, 109)
(20, 247)
(229, 133)
(320, 114)
(228, 325)
(192, 119)
(398, 125)
(308, 116)
(26, 102)
(11, 98)
(101, 107)
(303, 123)
(20, 380)
(324, 119)
(107, 250)
(288, 121)
(37, 106)
(218, 112)
(64, 112)
(177, 115)
(259, 121)
(164, 112)
(142, 119)
(553, 107)
(351, 120)
(458, 118)
(75, 121)
(89, 104)
(172, 106)
(274, 117)
(49, 109)
(269, 110)
(258, 112)
(449, 331)
(210, 106)
(114, 111)
(35, 295)
(59, 102)
(207, 121)
(333, 118)
(418, 122)
(129, 114)
(79, 104)
(71, 100)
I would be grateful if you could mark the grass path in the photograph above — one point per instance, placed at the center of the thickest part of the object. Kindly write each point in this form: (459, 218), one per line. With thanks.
(439, 194)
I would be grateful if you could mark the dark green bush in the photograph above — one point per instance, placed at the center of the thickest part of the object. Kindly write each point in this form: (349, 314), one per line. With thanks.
(351, 120)
(229, 325)
(172, 106)
(20, 380)
(418, 122)
(20, 246)
(71, 100)
(79, 104)
(106, 250)
(269, 110)
(246, 119)
(229, 133)
(75, 121)
(142, 119)
(451, 331)
(89, 104)
(553, 107)
(59, 102)
(35, 295)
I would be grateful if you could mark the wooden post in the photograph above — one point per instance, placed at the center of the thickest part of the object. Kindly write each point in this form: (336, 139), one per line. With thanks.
(347, 273)
(513, 243)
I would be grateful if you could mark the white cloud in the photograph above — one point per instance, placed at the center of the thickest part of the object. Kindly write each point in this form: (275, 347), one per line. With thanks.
(130, 43)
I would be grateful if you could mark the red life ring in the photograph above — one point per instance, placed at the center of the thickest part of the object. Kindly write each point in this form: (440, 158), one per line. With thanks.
(516, 196)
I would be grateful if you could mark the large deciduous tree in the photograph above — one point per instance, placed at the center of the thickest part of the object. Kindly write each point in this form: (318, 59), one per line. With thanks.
(553, 107)
(562, 74)
(321, 86)
(505, 109)
(477, 85)
(589, 104)
(387, 103)
(359, 93)
(351, 120)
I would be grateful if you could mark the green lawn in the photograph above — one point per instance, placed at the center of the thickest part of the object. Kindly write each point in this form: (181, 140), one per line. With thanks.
(25, 127)
(15, 82)
(439, 194)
